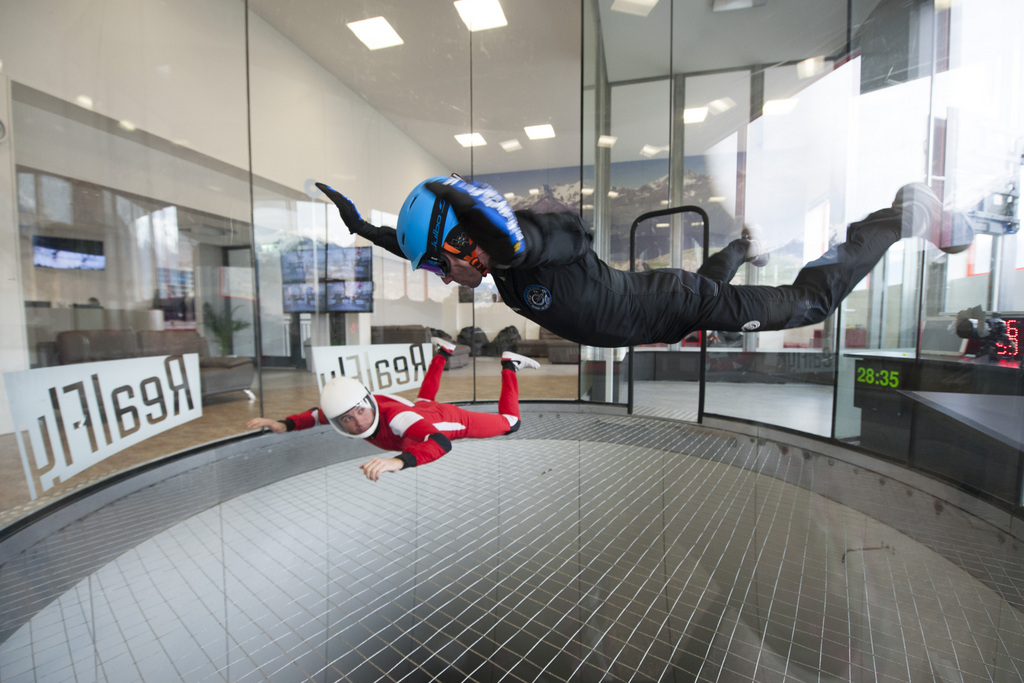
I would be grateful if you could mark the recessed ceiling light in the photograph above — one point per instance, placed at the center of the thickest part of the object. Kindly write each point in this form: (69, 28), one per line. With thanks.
(722, 104)
(471, 140)
(652, 150)
(810, 67)
(779, 107)
(587, 191)
(728, 5)
(376, 33)
(695, 114)
(641, 8)
(127, 125)
(480, 15)
(84, 101)
(534, 191)
(607, 141)
(511, 145)
(540, 132)
(613, 194)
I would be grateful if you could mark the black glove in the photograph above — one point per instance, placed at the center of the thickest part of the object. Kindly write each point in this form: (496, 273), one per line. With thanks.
(349, 213)
(486, 217)
(382, 237)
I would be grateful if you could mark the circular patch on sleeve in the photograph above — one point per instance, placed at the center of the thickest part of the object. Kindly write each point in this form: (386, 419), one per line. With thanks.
(751, 326)
(537, 297)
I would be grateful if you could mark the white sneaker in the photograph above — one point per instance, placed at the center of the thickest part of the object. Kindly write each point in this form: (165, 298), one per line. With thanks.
(520, 362)
(923, 217)
(756, 255)
(444, 344)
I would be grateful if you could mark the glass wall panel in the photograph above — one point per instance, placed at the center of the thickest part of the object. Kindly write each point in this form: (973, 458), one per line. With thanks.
(635, 181)
(132, 240)
(532, 156)
(162, 196)
(942, 359)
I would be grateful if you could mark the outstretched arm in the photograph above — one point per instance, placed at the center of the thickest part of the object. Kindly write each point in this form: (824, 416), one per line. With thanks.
(383, 237)
(304, 420)
(275, 426)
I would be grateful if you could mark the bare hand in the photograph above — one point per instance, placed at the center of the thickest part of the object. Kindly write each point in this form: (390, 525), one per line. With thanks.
(379, 466)
(266, 423)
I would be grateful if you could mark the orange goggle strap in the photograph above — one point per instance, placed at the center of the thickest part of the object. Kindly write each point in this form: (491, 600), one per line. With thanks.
(461, 246)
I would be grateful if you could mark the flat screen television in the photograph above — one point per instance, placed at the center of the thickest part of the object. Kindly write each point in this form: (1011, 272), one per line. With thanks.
(304, 265)
(67, 253)
(304, 297)
(349, 263)
(350, 297)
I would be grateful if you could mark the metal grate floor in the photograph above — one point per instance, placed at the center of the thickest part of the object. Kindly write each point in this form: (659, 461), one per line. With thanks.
(583, 548)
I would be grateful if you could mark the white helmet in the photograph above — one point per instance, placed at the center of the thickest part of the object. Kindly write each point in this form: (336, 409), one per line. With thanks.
(341, 395)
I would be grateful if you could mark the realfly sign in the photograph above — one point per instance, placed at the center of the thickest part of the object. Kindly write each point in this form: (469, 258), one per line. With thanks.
(383, 368)
(68, 418)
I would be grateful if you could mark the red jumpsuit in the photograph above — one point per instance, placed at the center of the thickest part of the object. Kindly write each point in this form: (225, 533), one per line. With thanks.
(422, 431)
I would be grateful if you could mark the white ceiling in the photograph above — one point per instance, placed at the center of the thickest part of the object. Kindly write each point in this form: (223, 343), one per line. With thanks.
(444, 80)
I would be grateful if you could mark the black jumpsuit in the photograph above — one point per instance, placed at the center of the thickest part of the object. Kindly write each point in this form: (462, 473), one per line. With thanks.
(564, 287)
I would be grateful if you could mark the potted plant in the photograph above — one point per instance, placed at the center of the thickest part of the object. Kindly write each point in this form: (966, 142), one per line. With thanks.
(223, 326)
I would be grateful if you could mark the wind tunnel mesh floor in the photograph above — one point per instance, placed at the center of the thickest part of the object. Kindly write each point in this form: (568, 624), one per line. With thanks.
(583, 548)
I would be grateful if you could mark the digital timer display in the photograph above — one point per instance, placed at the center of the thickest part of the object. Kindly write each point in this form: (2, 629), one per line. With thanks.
(878, 377)
(1011, 349)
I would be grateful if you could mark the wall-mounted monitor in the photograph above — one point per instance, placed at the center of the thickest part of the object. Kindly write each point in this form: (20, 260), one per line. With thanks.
(349, 263)
(339, 278)
(350, 297)
(67, 253)
(304, 265)
(305, 297)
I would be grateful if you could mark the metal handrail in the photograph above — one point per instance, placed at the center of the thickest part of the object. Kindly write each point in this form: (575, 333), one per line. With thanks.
(632, 267)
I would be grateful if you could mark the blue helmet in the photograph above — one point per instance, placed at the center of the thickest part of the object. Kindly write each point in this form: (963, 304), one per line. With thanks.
(424, 224)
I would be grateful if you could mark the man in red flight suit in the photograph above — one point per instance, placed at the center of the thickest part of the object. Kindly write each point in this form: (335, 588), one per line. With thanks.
(422, 431)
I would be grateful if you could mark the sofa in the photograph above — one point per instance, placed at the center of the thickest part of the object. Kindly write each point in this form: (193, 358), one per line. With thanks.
(218, 374)
(551, 346)
(412, 334)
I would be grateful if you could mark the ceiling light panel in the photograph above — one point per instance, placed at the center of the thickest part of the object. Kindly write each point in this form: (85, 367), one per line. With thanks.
(480, 15)
(541, 132)
(376, 33)
(640, 8)
(695, 114)
(730, 5)
(471, 140)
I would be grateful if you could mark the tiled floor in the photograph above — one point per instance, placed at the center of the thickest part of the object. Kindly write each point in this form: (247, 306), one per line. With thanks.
(584, 547)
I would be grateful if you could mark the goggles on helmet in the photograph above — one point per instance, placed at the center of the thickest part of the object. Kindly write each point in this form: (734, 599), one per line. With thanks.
(435, 265)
